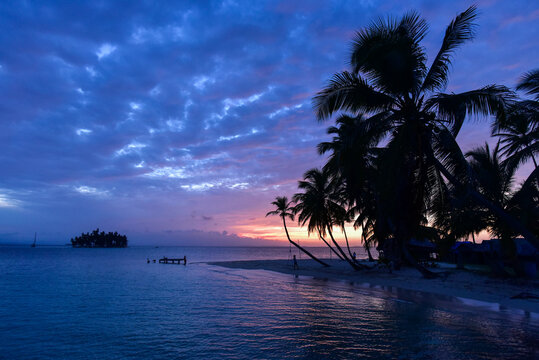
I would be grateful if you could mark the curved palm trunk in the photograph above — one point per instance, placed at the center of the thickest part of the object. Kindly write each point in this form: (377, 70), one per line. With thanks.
(329, 246)
(366, 244)
(301, 248)
(347, 243)
(352, 264)
(507, 218)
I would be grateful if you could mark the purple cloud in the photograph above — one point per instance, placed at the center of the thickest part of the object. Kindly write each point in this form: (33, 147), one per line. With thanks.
(131, 116)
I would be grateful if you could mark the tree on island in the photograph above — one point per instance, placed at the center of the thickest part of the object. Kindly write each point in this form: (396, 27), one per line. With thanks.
(97, 239)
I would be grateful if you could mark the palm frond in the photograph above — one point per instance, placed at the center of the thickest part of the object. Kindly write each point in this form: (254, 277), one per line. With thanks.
(525, 111)
(283, 208)
(452, 108)
(460, 30)
(494, 180)
(390, 55)
(448, 152)
(530, 83)
(349, 92)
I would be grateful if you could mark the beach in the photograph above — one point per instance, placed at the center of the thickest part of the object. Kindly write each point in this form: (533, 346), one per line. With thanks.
(466, 286)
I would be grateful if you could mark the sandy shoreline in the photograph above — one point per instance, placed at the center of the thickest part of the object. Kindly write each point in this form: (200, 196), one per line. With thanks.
(464, 284)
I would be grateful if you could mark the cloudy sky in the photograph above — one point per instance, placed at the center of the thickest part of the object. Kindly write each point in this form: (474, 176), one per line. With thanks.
(179, 122)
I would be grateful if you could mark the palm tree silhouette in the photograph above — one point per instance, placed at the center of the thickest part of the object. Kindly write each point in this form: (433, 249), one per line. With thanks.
(353, 140)
(284, 210)
(495, 180)
(318, 206)
(417, 122)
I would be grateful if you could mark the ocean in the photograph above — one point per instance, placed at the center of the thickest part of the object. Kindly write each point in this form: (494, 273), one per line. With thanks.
(64, 303)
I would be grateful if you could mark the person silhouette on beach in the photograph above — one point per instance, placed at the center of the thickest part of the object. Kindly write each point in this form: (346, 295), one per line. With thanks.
(296, 267)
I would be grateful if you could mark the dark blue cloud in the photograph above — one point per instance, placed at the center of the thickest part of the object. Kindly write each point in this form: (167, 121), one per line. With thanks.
(132, 115)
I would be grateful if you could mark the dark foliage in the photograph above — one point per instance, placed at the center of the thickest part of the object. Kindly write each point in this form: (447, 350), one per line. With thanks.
(97, 239)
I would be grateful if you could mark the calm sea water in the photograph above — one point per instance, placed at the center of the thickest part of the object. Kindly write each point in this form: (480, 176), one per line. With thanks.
(63, 303)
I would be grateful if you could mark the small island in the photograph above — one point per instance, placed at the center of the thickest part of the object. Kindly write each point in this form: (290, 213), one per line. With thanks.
(98, 239)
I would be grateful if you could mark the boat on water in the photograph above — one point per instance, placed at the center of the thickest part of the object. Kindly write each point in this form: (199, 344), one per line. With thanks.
(34, 243)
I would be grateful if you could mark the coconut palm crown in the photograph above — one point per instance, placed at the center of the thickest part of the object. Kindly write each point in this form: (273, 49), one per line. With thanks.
(283, 208)
(392, 86)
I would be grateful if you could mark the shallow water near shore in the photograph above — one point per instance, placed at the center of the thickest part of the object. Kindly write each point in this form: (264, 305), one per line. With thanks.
(60, 302)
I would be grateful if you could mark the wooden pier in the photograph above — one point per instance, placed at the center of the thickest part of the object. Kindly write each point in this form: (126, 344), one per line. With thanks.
(178, 261)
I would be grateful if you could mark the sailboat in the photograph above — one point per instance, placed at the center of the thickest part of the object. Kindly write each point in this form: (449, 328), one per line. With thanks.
(35, 238)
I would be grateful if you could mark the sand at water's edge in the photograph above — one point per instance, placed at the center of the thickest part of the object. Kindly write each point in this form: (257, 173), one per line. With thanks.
(459, 283)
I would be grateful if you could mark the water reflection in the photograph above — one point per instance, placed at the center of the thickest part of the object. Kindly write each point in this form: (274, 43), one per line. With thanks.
(374, 322)
(98, 304)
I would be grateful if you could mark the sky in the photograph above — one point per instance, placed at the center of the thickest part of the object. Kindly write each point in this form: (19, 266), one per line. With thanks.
(179, 122)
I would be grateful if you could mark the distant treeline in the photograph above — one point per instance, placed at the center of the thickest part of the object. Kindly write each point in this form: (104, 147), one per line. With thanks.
(98, 239)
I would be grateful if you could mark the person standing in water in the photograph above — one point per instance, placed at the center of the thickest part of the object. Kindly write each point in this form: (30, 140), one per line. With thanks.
(296, 267)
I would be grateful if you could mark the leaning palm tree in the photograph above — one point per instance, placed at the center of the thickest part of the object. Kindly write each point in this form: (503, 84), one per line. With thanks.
(318, 207)
(353, 160)
(284, 210)
(341, 222)
(390, 81)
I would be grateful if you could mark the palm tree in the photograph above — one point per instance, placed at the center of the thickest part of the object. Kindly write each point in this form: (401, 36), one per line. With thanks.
(341, 222)
(390, 81)
(518, 127)
(284, 210)
(524, 203)
(495, 178)
(456, 215)
(318, 207)
(495, 182)
(310, 207)
(353, 140)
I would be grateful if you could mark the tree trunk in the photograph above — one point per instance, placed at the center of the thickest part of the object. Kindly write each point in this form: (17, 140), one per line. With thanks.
(329, 246)
(347, 243)
(302, 249)
(365, 244)
(352, 264)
